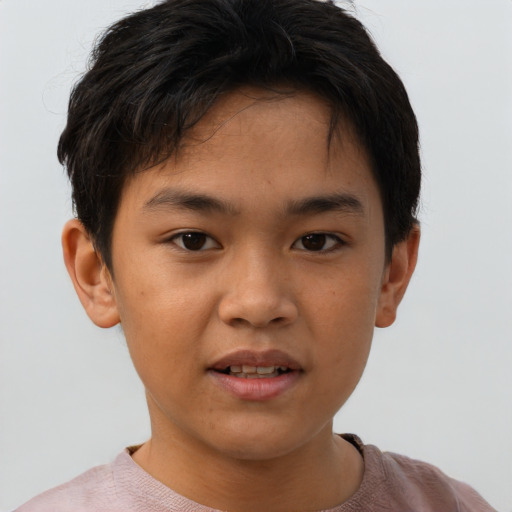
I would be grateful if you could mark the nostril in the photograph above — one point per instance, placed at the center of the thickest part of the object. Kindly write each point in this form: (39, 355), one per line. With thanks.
(243, 309)
(243, 322)
(239, 322)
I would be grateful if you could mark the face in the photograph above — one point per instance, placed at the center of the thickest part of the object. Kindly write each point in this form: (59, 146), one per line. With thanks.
(248, 274)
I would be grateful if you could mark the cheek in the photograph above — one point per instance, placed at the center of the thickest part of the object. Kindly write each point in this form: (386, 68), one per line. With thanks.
(347, 301)
(162, 322)
(343, 317)
(155, 295)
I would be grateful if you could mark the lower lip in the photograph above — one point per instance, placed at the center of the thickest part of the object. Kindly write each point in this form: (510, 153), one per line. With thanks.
(256, 390)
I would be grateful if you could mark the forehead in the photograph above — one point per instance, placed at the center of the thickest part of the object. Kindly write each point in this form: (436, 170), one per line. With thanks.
(230, 107)
(256, 144)
(262, 117)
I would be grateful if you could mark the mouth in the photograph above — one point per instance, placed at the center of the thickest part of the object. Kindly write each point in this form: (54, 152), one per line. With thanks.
(247, 364)
(256, 376)
(254, 372)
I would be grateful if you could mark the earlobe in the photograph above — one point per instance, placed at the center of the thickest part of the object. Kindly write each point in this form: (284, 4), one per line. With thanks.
(90, 276)
(396, 278)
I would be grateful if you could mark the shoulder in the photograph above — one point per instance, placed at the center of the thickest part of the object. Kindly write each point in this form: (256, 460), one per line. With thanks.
(92, 491)
(401, 484)
(421, 486)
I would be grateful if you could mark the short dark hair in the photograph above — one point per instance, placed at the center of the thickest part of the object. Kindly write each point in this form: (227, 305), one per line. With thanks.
(154, 74)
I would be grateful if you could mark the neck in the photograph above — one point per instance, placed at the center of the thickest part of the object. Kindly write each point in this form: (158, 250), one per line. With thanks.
(321, 474)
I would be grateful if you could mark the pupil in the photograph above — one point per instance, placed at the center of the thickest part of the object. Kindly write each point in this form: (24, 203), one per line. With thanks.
(314, 242)
(194, 241)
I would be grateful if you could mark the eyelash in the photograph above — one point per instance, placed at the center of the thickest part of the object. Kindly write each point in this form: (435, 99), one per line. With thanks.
(337, 242)
(206, 242)
(208, 239)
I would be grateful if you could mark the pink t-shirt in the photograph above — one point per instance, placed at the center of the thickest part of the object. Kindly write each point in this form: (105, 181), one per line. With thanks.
(391, 483)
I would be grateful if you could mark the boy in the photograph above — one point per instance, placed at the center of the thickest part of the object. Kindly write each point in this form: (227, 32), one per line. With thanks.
(245, 176)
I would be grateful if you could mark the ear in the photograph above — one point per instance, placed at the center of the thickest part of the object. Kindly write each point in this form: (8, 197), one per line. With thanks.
(396, 278)
(90, 276)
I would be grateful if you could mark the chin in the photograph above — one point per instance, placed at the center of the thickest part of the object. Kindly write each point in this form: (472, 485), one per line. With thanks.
(262, 442)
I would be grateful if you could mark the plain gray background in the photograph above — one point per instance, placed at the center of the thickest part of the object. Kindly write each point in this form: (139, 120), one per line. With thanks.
(439, 382)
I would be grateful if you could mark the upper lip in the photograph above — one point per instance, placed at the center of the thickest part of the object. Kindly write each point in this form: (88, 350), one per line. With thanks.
(255, 358)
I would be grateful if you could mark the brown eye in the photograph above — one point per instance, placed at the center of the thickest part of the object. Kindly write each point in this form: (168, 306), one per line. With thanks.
(195, 241)
(316, 242)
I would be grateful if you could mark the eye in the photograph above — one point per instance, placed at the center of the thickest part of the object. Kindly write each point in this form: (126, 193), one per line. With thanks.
(318, 242)
(195, 241)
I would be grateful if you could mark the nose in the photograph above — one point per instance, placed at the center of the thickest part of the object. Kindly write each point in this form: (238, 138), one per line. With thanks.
(257, 293)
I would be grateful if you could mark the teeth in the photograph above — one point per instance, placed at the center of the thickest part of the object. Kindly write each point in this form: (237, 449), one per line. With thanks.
(263, 370)
(255, 372)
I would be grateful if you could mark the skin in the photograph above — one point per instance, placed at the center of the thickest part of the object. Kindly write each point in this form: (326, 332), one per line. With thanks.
(256, 280)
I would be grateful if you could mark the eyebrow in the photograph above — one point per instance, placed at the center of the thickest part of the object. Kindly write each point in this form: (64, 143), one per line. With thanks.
(342, 202)
(169, 198)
